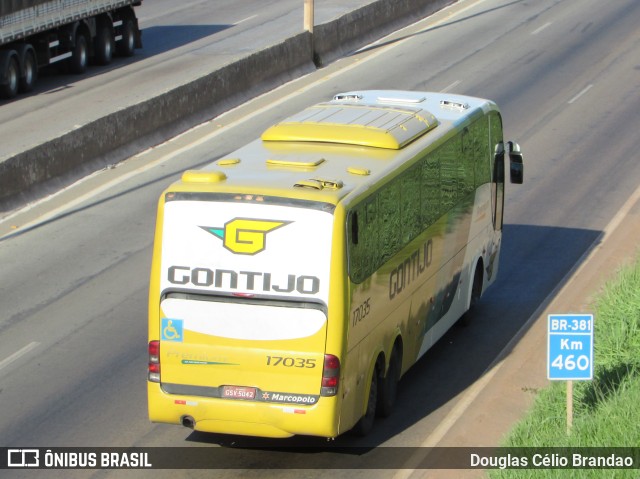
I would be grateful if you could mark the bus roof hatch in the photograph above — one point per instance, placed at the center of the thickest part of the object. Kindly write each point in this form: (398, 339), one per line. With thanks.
(389, 127)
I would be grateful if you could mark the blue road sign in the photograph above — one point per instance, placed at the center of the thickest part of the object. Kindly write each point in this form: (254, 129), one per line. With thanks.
(570, 347)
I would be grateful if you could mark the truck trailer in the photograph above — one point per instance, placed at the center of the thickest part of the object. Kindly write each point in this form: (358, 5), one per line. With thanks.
(38, 33)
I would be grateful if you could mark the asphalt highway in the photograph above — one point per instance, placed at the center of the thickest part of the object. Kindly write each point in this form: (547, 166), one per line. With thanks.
(75, 268)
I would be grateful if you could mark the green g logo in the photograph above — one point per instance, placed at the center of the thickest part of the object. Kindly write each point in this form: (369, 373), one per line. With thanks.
(244, 235)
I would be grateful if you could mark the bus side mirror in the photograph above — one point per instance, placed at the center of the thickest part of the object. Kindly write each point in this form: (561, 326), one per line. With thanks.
(515, 163)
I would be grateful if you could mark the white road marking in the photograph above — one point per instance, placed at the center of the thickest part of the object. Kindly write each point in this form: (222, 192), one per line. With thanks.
(585, 90)
(450, 87)
(18, 354)
(433, 439)
(245, 20)
(538, 30)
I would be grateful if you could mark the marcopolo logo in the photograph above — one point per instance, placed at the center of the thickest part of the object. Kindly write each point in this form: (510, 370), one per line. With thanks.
(245, 235)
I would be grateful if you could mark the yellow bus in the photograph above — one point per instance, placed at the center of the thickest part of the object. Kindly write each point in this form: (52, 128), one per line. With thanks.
(295, 281)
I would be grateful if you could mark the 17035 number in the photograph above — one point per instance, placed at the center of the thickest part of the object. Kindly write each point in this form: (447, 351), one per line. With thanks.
(290, 362)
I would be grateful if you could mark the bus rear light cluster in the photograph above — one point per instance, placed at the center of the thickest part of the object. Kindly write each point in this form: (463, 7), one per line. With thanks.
(330, 376)
(154, 361)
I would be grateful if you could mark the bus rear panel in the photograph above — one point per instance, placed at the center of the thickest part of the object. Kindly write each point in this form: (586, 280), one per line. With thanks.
(242, 316)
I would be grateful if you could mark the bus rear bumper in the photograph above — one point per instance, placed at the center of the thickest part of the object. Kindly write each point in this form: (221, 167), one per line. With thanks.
(241, 417)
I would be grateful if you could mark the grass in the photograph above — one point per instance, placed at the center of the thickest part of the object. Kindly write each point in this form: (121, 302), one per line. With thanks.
(606, 409)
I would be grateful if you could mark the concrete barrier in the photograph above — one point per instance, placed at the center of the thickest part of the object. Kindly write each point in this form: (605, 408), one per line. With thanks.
(106, 139)
(90, 147)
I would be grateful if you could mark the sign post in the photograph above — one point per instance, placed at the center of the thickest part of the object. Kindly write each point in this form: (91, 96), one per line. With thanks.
(308, 15)
(570, 352)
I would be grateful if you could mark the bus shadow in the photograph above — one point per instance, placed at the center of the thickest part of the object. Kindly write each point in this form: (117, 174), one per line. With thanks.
(534, 262)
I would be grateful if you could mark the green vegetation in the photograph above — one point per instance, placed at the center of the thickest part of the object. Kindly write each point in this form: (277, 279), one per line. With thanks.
(607, 409)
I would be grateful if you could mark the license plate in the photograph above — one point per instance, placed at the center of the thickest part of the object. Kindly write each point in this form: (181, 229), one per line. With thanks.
(238, 392)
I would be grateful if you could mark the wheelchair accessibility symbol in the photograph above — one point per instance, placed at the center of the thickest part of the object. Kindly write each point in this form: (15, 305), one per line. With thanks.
(171, 330)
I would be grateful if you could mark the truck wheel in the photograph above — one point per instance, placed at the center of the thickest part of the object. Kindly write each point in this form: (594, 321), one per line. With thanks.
(104, 44)
(365, 424)
(80, 55)
(29, 71)
(9, 89)
(127, 44)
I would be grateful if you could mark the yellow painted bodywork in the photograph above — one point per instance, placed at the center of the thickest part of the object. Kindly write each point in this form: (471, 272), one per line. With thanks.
(389, 128)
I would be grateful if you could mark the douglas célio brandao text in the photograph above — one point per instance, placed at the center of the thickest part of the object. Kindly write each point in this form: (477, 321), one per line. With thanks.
(551, 460)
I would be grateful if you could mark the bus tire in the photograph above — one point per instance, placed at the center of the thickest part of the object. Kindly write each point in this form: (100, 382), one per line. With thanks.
(10, 76)
(476, 292)
(80, 55)
(365, 424)
(388, 389)
(29, 74)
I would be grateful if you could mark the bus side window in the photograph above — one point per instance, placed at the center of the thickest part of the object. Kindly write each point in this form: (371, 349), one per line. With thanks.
(483, 152)
(431, 194)
(369, 237)
(497, 160)
(410, 192)
(470, 146)
(362, 243)
(449, 156)
(390, 220)
(357, 262)
(364, 254)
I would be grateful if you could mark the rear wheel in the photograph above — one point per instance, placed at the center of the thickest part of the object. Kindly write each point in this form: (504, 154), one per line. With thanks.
(9, 88)
(127, 44)
(365, 424)
(29, 71)
(104, 44)
(476, 292)
(80, 55)
(389, 386)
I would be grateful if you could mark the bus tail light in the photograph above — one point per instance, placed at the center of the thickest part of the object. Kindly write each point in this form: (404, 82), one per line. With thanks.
(330, 376)
(154, 361)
